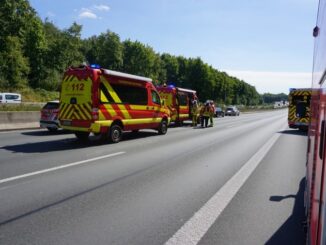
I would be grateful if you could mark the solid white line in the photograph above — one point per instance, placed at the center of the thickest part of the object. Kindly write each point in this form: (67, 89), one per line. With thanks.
(197, 226)
(58, 167)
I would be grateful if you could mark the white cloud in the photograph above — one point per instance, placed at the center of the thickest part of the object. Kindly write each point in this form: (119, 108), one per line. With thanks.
(101, 7)
(90, 13)
(87, 13)
(274, 82)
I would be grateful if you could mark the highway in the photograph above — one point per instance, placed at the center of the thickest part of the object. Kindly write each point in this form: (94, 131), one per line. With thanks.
(239, 182)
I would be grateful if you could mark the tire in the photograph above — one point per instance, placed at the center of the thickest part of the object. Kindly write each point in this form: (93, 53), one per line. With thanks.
(83, 136)
(115, 133)
(163, 128)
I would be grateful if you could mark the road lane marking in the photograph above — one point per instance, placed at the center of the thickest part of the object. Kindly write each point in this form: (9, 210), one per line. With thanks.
(197, 226)
(59, 167)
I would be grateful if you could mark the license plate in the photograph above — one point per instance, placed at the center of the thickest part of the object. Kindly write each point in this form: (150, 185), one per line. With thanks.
(66, 122)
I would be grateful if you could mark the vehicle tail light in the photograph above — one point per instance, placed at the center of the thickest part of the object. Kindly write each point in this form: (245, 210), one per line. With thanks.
(95, 113)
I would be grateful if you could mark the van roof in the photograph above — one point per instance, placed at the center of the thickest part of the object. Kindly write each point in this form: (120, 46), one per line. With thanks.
(186, 90)
(9, 93)
(126, 75)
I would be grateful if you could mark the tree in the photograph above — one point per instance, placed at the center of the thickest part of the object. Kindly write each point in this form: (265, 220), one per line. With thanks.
(171, 67)
(35, 50)
(141, 60)
(14, 19)
(14, 66)
(106, 50)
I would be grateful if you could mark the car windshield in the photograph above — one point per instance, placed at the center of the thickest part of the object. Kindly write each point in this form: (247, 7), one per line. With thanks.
(51, 106)
(230, 109)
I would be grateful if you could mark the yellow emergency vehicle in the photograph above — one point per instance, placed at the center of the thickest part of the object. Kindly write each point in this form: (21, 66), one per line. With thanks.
(299, 108)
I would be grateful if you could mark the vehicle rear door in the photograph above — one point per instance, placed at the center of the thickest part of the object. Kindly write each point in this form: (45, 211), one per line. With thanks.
(76, 100)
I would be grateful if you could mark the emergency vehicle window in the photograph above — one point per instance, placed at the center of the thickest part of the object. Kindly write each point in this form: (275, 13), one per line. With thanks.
(301, 109)
(0, 97)
(156, 98)
(131, 95)
(297, 99)
(182, 99)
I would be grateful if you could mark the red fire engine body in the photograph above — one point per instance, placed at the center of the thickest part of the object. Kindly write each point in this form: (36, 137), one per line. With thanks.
(105, 103)
(315, 193)
(179, 101)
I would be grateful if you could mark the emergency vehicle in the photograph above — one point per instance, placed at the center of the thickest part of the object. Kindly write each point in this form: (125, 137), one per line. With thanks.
(106, 102)
(315, 192)
(179, 101)
(299, 108)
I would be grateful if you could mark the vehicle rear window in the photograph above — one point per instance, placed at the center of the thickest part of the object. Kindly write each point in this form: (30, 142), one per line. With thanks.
(51, 106)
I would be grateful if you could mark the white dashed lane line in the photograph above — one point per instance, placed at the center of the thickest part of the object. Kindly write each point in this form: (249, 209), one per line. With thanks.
(197, 226)
(58, 167)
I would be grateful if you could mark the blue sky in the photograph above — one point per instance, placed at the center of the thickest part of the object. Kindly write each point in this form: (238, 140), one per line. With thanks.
(267, 43)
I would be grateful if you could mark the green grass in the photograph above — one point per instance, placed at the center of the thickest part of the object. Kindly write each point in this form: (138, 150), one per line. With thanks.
(21, 107)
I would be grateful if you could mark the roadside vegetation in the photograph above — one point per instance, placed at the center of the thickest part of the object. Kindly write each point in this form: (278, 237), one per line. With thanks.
(35, 53)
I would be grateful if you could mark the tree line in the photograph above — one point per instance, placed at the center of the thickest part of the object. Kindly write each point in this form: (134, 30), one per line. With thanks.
(35, 53)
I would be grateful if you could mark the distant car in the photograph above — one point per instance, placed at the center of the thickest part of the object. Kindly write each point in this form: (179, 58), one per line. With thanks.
(12, 98)
(219, 112)
(49, 116)
(232, 111)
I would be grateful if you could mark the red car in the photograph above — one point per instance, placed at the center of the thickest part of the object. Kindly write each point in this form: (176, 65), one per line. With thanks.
(49, 116)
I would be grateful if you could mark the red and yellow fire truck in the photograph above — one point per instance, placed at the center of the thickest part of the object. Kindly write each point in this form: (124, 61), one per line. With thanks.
(315, 192)
(179, 101)
(299, 108)
(105, 102)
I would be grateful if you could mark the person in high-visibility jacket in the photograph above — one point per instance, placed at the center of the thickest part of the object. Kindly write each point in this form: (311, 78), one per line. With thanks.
(211, 113)
(195, 113)
(204, 113)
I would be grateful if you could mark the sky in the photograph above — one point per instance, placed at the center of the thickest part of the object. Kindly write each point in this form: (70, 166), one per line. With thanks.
(266, 43)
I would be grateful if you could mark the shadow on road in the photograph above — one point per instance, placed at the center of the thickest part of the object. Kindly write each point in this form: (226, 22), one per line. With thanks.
(294, 132)
(70, 143)
(291, 232)
(46, 133)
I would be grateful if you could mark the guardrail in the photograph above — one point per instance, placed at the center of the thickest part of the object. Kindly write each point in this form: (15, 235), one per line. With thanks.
(19, 120)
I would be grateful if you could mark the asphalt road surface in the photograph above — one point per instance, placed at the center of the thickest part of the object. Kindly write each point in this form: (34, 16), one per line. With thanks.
(239, 182)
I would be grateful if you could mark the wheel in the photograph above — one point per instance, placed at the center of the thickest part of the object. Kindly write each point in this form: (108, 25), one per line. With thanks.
(52, 129)
(163, 128)
(115, 134)
(82, 135)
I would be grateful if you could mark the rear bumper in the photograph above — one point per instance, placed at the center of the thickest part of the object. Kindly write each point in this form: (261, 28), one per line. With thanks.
(298, 124)
(94, 127)
(49, 124)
